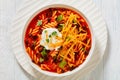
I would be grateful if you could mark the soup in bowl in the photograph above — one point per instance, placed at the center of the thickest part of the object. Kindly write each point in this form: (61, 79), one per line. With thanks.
(58, 40)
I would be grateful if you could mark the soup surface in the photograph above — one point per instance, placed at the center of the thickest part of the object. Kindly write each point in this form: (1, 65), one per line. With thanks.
(58, 40)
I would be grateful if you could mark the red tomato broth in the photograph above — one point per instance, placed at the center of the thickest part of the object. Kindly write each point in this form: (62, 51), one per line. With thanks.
(52, 63)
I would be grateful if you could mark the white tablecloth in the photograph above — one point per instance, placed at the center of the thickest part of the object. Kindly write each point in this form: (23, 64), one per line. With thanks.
(109, 67)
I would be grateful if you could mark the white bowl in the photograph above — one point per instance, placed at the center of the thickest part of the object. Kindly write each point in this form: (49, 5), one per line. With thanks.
(80, 66)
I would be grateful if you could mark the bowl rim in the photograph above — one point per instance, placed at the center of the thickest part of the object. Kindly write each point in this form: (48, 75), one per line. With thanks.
(92, 37)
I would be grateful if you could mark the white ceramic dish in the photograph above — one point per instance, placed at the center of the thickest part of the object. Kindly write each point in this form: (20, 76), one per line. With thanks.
(91, 12)
(80, 66)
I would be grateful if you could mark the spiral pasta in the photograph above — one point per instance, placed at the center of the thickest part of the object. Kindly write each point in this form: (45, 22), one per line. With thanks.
(74, 44)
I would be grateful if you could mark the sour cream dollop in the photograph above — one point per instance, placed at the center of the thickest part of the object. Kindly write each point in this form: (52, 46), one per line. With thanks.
(51, 39)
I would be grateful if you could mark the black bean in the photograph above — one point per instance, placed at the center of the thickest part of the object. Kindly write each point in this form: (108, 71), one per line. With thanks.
(40, 31)
(71, 68)
(49, 14)
(38, 55)
(33, 61)
(32, 46)
(40, 48)
(34, 37)
(26, 42)
(86, 53)
(49, 19)
(47, 51)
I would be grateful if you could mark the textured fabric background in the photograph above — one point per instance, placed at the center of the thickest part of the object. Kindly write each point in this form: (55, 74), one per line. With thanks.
(109, 67)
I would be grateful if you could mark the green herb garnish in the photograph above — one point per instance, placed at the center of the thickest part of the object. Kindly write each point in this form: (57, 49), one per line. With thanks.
(59, 18)
(41, 60)
(54, 33)
(50, 36)
(44, 52)
(45, 31)
(82, 49)
(39, 22)
(62, 64)
(47, 40)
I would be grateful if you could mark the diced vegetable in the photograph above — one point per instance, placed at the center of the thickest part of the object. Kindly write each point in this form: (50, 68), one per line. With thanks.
(47, 40)
(39, 22)
(54, 33)
(59, 18)
(62, 64)
(44, 52)
(41, 60)
(55, 58)
(60, 28)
